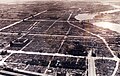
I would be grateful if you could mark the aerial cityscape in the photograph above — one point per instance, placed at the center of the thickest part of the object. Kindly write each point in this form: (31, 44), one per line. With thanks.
(59, 38)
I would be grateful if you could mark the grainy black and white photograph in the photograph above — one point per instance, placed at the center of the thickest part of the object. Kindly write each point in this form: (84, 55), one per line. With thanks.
(59, 38)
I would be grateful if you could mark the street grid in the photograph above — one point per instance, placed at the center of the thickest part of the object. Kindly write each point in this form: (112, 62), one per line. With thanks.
(49, 32)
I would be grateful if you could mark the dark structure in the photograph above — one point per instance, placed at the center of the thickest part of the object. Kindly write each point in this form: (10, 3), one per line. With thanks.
(93, 54)
(54, 18)
(19, 42)
(77, 50)
(4, 52)
(61, 74)
(118, 55)
(33, 62)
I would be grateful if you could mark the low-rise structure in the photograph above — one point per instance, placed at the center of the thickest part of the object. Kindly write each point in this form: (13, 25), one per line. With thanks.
(19, 42)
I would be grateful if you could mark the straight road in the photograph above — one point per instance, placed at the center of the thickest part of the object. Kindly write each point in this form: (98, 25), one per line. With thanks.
(91, 65)
(21, 20)
(46, 35)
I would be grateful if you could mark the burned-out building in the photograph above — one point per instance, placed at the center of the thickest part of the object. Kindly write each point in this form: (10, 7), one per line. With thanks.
(77, 49)
(19, 42)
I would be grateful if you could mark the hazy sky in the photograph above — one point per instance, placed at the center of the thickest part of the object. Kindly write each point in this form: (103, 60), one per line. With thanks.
(18, 1)
(15, 1)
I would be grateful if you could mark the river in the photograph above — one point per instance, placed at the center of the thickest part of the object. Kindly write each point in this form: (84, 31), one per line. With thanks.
(108, 25)
(104, 24)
